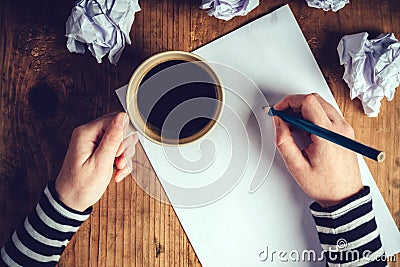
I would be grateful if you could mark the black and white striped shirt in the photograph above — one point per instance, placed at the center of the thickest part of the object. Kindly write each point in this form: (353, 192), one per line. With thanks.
(348, 232)
(342, 229)
(44, 234)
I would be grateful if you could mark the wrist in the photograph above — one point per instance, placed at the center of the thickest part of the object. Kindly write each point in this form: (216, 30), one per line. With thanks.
(329, 206)
(68, 199)
(52, 188)
(336, 199)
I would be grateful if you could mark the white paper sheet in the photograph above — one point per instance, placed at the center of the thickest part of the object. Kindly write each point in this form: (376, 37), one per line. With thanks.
(234, 230)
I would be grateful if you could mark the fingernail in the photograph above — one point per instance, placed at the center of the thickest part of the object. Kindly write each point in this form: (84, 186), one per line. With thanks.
(119, 120)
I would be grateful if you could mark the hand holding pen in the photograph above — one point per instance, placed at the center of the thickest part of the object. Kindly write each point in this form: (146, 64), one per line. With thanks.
(327, 172)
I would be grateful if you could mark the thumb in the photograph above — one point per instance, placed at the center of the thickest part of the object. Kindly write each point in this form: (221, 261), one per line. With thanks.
(111, 140)
(290, 152)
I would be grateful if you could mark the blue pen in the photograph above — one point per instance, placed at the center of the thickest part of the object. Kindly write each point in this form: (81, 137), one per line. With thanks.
(336, 138)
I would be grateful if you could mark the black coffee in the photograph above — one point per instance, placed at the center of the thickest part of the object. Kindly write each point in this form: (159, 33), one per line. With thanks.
(177, 99)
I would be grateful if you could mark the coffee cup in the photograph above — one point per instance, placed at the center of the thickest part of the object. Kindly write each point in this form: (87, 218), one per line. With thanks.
(174, 98)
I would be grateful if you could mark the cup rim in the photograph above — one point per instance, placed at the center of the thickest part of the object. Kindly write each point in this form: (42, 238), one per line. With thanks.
(132, 107)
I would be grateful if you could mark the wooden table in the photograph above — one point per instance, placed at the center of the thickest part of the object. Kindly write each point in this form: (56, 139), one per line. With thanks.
(46, 92)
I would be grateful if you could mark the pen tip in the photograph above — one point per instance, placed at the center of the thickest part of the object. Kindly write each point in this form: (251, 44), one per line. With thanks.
(266, 109)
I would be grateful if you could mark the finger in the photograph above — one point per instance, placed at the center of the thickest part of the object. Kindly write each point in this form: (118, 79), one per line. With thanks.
(121, 174)
(330, 110)
(130, 138)
(123, 146)
(290, 152)
(123, 161)
(130, 151)
(111, 140)
(291, 101)
(120, 150)
(129, 130)
(311, 109)
(120, 162)
(129, 143)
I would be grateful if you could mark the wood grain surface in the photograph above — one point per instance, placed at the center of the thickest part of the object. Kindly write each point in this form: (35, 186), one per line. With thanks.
(45, 92)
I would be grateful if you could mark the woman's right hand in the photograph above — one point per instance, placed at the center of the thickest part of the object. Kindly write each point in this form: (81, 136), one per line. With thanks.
(326, 172)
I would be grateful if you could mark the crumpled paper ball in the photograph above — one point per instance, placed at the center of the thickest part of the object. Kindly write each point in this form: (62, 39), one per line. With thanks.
(371, 68)
(327, 5)
(103, 25)
(227, 9)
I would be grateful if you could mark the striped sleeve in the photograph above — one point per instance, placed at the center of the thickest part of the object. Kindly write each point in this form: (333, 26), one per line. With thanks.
(348, 232)
(44, 234)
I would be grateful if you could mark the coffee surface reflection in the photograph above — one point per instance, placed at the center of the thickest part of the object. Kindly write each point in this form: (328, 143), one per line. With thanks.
(177, 99)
